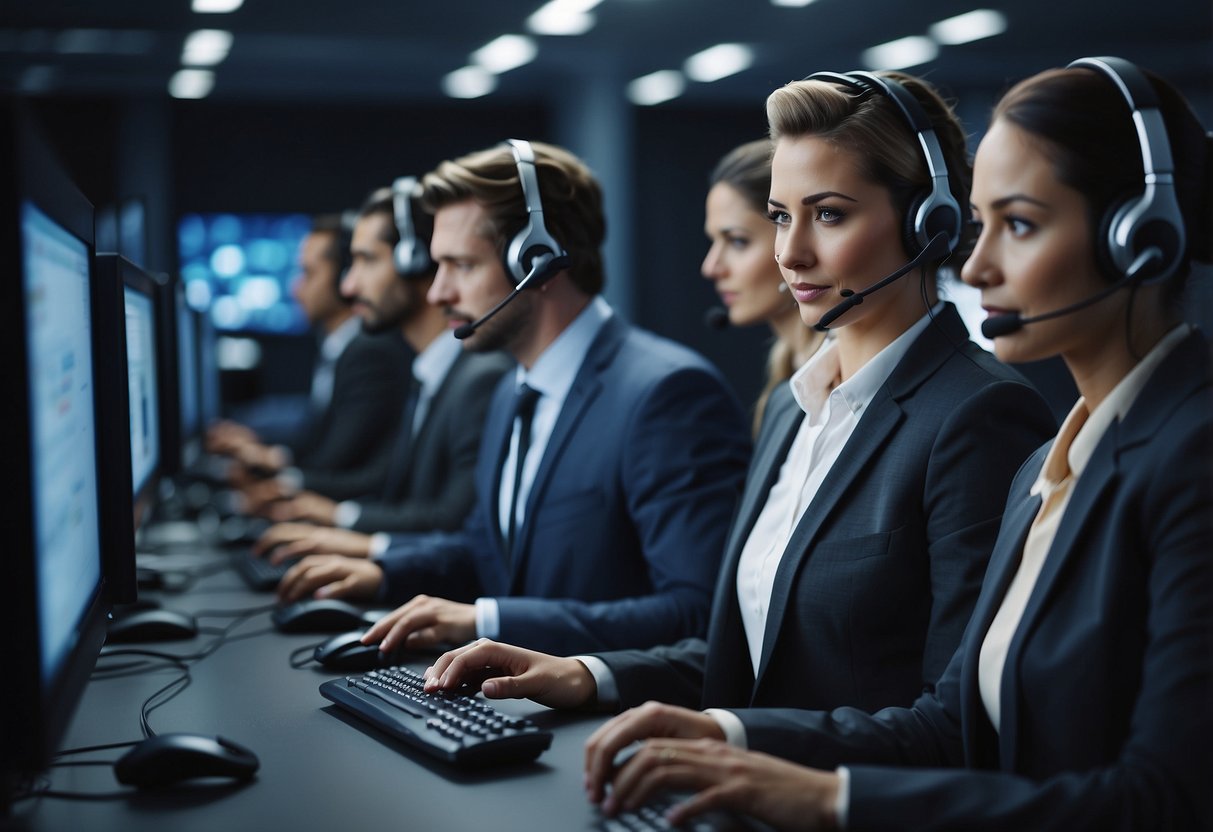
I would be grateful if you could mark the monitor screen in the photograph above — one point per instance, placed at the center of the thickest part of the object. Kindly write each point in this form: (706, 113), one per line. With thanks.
(141, 378)
(239, 268)
(67, 535)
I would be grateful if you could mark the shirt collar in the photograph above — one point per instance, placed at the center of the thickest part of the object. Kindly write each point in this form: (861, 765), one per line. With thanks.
(336, 341)
(1082, 429)
(553, 373)
(433, 363)
(811, 384)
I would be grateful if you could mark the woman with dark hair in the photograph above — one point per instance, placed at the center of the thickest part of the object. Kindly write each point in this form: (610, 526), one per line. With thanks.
(1081, 696)
(741, 263)
(881, 469)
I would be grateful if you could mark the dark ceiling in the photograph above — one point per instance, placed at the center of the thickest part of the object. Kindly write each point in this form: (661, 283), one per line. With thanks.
(391, 50)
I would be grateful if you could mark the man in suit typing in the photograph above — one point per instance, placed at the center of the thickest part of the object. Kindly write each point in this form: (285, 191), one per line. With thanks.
(611, 459)
(425, 483)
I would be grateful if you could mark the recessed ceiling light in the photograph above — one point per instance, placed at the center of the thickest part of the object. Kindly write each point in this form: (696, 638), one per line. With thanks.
(718, 62)
(505, 53)
(563, 17)
(206, 47)
(656, 87)
(974, 25)
(217, 6)
(792, 3)
(191, 83)
(469, 82)
(900, 53)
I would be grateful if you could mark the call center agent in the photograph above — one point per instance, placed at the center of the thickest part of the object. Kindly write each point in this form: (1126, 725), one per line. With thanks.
(741, 264)
(1081, 696)
(611, 461)
(882, 469)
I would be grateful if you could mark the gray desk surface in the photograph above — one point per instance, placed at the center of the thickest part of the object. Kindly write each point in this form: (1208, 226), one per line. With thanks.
(320, 769)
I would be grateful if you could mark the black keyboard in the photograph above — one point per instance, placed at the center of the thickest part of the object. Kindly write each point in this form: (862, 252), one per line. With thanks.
(651, 818)
(259, 573)
(459, 729)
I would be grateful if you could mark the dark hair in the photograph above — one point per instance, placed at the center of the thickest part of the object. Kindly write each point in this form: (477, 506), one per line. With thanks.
(380, 203)
(337, 252)
(572, 202)
(747, 170)
(875, 131)
(1087, 133)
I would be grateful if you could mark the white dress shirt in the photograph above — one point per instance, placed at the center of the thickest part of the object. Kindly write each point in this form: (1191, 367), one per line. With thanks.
(552, 377)
(832, 412)
(430, 368)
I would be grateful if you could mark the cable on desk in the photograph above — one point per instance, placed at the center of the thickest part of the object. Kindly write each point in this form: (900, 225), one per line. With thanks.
(307, 650)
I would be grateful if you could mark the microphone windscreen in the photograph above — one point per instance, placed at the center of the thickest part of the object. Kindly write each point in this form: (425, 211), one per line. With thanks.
(717, 318)
(1002, 325)
(464, 331)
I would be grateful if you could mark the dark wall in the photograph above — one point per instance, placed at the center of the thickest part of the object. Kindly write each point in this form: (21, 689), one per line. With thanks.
(676, 149)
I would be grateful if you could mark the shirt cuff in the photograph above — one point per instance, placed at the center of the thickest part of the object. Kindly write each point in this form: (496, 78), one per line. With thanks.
(842, 804)
(291, 480)
(604, 680)
(380, 541)
(731, 725)
(488, 618)
(346, 514)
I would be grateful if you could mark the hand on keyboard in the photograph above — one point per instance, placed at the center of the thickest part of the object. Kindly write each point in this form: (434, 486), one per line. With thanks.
(503, 671)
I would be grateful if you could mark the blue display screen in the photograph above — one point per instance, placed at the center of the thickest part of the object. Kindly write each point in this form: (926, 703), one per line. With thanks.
(238, 268)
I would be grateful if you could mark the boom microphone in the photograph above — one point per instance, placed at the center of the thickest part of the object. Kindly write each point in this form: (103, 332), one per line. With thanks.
(538, 266)
(937, 247)
(1006, 324)
(716, 318)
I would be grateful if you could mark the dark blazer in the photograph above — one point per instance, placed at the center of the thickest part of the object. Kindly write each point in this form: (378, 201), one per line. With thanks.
(880, 575)
(1107, 692)
(358, 426)
(627, 514)
(438, 488)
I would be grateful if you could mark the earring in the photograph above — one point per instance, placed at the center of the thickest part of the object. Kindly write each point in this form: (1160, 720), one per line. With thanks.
(783, 288)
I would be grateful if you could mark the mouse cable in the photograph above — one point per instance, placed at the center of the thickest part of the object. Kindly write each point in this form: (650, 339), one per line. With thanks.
(86, 749)
(237, 613)
(298, 663)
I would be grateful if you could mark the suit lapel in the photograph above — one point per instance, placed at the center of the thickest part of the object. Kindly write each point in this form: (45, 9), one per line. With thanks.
(934, 346)
(725, 686)
(584, 391)
(1179, 376)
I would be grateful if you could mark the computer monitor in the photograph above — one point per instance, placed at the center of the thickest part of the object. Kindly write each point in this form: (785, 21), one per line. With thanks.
(211, 395)
(53, 618)
(134, 315)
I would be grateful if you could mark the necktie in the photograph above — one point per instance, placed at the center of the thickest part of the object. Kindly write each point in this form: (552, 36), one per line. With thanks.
(524, 412)
(402, 449)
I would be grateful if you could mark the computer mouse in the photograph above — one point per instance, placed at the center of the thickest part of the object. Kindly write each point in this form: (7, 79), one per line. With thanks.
(346, 652)
(170, 758)
(321, 615)
(151, 625)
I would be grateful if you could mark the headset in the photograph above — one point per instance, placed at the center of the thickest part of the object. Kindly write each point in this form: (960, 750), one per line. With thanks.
(1151, 219)
(533, 256)
(411, 256)
(932, 211)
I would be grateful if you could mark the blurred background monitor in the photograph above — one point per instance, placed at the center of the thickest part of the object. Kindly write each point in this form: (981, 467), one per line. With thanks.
(239, 268)
(60, 550)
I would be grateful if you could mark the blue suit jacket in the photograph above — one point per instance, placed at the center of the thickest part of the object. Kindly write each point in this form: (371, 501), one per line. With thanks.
(626, 517)
(879, 578)
(1107, 692)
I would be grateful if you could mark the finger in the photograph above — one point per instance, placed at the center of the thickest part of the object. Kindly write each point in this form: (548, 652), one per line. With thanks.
(381, 627)
(452, 668)
(310, 578)
(424, 637)
(434, 672)
(713, 798)
(346, 587)
(606, 742)
(405, 625)
(294, 549)
(661, 766)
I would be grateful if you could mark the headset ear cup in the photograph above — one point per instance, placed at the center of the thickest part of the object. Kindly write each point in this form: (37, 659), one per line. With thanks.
(1105, 239)
(909, 227)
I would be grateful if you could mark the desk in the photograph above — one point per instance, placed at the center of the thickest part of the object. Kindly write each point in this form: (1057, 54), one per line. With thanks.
(320, 768)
